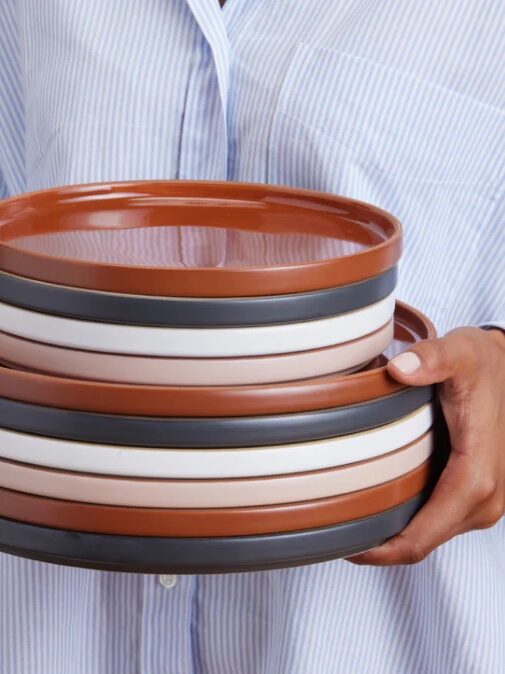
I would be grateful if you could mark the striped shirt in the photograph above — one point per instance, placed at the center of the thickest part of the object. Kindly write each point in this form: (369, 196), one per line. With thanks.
(399, 103)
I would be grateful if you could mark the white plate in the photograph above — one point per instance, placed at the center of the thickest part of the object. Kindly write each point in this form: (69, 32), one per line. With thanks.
(156, 371)
(196, 342)
(145, 493)
(215, 463)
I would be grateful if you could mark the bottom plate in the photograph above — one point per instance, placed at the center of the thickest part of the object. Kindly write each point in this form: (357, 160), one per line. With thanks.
(203, 555)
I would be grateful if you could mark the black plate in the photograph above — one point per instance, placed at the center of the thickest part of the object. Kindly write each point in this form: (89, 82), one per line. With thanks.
(210, 432)
(203, 555)
(181, 312)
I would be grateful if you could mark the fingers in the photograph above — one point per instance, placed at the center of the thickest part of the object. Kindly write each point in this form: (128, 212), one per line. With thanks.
(470, 367)
(462, 491)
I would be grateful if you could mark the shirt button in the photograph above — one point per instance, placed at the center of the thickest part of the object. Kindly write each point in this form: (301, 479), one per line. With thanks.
(168, 581)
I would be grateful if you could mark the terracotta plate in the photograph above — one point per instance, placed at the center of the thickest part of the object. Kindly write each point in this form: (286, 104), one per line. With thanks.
(204, 555)
(191, 522)
(196, 239)
(210, 432)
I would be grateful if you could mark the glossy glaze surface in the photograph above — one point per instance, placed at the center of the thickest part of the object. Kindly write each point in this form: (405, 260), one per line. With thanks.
(197, 239)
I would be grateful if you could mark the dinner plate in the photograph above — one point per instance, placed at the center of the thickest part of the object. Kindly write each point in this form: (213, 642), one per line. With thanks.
(198, 522)
(214, 463)
(196, 342)
(204, 555)
(196, 239)
(211, 432)
(200, 401)
(155, 493)
(342, 359)
(198, 312)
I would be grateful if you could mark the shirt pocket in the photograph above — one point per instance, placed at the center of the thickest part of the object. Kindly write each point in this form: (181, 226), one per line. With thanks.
(428, 154)
(392, 122)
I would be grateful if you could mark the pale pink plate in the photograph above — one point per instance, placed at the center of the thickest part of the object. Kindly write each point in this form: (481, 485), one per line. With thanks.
(148, 370)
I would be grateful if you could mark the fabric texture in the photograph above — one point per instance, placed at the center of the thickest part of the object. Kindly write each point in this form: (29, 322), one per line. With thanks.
(397, 103)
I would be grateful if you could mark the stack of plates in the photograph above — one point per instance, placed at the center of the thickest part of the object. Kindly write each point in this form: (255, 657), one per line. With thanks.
(172, 394)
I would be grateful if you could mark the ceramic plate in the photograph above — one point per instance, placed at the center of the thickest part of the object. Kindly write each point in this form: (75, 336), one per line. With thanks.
(153, 493)
(200, 401)
(342, 359)
(214, 463)
(212, 522)
(192, 311)
(211, 432)
(204, 555)
(196, 342)
(195, 239)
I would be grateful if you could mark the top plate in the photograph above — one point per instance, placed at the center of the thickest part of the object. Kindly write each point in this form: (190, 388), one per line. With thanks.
(195, 239)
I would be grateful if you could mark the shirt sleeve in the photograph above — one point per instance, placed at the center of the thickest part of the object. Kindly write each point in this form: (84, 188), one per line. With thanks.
(500, 325)
(494, 290)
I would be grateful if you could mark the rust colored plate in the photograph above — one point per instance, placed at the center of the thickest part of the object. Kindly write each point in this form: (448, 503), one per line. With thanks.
(189, 401)
(195, 239)
(190, 523)
(233, 554)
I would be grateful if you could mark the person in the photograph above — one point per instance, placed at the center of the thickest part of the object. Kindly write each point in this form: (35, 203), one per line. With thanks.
(400, 104)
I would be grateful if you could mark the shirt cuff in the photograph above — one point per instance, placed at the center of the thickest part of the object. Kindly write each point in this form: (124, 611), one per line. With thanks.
(493, 325)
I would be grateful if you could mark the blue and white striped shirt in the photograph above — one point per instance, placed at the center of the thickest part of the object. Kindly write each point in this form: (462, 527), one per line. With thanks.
(400, 103)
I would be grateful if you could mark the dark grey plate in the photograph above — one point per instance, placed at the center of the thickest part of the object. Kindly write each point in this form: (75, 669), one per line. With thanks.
(184, 312)
(203, 555)
(210, 432)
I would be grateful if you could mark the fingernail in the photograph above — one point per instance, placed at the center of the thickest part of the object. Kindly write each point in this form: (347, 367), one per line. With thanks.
(407, 362)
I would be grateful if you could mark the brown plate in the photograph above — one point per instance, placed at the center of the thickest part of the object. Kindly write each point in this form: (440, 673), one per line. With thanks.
(232, 554)
(74, 516)
(196, 239)
(191, 401)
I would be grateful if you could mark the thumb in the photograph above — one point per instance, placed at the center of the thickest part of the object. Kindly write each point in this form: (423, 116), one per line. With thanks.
(431, 362)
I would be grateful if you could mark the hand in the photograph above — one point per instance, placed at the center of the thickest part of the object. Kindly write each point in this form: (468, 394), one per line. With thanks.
(469, 366)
